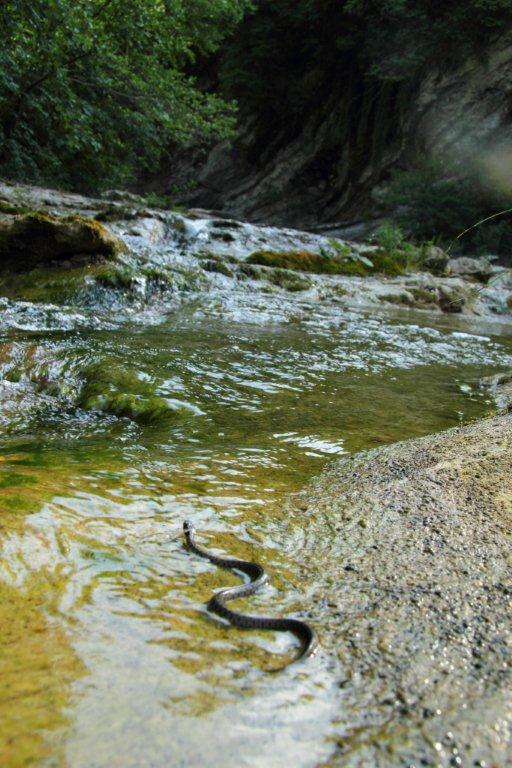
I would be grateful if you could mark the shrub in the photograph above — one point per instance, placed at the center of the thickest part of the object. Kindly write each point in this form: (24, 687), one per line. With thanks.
(436, 201)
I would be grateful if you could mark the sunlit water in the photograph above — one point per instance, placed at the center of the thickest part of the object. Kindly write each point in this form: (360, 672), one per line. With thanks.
(108, 656)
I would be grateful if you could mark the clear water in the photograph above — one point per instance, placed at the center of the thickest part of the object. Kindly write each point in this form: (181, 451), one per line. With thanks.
(107, 654)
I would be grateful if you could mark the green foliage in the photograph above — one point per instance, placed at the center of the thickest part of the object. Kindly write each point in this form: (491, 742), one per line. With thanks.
(436, 201)
(153, 200)
(279, 50)
(345, 252)
(92, 91)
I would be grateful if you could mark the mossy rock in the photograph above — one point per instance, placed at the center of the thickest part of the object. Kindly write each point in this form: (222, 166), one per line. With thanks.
(423, 296)
(288, 280)
(113, 389)
(57, 286)
(11, 209)
(302, 261)
(37, 239)
(217, 265)
(305, 261)
(451, 300)
(227, 237)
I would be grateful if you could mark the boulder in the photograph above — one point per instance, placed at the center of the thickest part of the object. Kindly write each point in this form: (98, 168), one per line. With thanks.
(39, 240)
(474, 269)
(451, 299)
(408, 555)
(500, 386)
(435, 260)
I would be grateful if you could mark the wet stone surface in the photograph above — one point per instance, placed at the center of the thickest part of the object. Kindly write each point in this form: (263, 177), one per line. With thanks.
(413, 544)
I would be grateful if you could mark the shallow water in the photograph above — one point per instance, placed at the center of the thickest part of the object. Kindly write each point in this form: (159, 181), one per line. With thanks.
(108, 656)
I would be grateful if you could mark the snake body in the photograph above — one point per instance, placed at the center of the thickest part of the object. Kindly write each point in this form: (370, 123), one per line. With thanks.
(258, 578)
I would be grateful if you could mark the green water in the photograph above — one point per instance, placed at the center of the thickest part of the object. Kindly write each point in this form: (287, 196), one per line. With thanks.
(107, 654)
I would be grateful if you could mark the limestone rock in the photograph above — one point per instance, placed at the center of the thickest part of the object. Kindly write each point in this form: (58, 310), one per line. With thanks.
(500, 386)
(451, 300)
(408, 548)
(435, 260)
(38, 239)
(477, 269)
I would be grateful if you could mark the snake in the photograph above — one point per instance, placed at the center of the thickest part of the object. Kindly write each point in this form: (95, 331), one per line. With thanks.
(257, 579)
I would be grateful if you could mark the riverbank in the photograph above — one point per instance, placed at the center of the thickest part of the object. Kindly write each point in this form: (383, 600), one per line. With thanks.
(415, 553)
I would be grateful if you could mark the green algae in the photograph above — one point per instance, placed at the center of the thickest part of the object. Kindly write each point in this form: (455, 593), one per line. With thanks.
(120, 391)
(305, 261)
(55, 285)
(36, 673)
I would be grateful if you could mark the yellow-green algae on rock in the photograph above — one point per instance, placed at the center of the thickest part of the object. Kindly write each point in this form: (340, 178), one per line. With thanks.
(112, 388)
(38, 239)
(38, 664)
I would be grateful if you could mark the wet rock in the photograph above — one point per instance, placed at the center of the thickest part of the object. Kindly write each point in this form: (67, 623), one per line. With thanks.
(435, 260)
(476, 269)
(451, 300)
(37, 239)
(399, 296)
(500, 386)
(121, 195)
(421, 622)
(217, 265)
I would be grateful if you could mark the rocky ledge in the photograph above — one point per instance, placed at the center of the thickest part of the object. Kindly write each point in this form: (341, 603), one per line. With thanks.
(62, 241)
(416, 577)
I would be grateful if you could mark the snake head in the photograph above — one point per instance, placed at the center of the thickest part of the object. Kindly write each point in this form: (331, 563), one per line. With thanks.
(188, 528)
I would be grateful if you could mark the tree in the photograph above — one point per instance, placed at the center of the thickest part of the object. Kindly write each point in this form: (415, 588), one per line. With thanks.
(93, 90)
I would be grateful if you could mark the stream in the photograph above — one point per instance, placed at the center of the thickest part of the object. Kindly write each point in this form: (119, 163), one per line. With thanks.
(107, 654)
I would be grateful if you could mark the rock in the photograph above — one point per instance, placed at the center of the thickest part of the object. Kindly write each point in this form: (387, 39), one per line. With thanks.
(476, 269)
(121, 195)
(500, 386)
(398, 296)
(217, 265)
(451, 300)
(435, 260)
(421, 622)
(37, 239)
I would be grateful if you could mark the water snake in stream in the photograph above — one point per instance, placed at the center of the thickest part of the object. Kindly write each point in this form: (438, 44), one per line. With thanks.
(257, 579)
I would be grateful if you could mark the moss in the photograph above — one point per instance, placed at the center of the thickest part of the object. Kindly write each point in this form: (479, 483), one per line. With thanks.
(247, 270)
(303, 261)
(54, 285)
(37, 239)
(12, 209)
(217, 265)
(288, 280)
(391, 264)
(344, 264)
(111, 388)
(161, 276)
(151, 410)
(119, 277)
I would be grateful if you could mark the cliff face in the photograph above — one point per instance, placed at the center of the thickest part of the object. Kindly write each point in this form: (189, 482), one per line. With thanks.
(324, 164)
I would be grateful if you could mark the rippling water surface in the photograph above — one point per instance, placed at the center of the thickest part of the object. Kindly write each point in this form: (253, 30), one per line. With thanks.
(107, 655)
